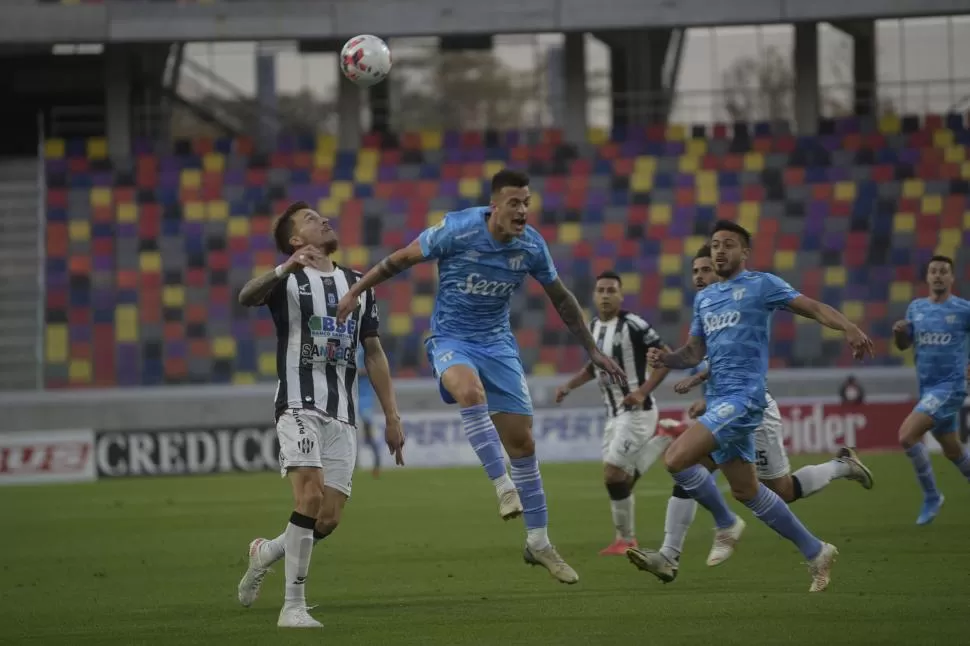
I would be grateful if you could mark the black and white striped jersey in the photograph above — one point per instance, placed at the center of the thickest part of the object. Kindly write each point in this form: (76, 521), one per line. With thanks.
(316, 358)
(625, 337)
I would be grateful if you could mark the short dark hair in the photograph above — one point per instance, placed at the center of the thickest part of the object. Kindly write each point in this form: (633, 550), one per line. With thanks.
(727, 225)
(703, 252)
(609, 274)
(509, 177)
(283, 226)
(938, 258)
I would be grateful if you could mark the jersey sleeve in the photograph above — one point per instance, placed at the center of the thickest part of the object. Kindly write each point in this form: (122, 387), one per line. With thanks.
(643, 334)
(371, 320)
(696, 326)
(777, 293)
(543, 268)
(437, 241)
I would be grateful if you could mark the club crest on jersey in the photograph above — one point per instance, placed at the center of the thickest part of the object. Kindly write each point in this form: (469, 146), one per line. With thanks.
(331, 300)
(951, 318)
(515, 262)
(738, 294)
(724, 410)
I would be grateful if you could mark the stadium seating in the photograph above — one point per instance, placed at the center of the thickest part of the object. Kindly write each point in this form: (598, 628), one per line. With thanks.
(145, 259)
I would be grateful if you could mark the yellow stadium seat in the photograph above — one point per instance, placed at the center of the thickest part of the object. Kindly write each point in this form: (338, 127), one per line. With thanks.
(705, 179)
(259, 270)
(646, 165)
(357, 257)
(676, 132)
(341, 190)
(671, 298)
(889, 124)
(570, 233)
(597, 136)
(54, 149)
(79, 371)
(431, 139)
(191, 178)
(194, 211)
(239, 226)
(97, 148)
(489, 168)
(150, 261)
(688, 163)
(544, 370)
(79, 230)
(219, 210)
(845, 191)
(671, 264)
(697, 147)
(267, 363)
(965, 170)
(641, 182)
(223, 347)
(536, 205)
(631, 283)
(368, 157)
(173, 296)
(835, 277)
(326, 143)
(943, 138)
(243, 378)
(470, 187)
(784, 260)
(707, 195)
(966, 220)
(338, 257)
(904, 222)
(328, 207)
(754, 161)
(127, 212)
(434, 217)
(56, 343)
(828, 334)
(854, 310)
(692, 244)
(660, 214)
(365, 174)
(913, 188)
(214, 162)
(900, 292)
(748, 215)
(400, 324)
(932, 204)
(100, 196)
(126, 323)
(955, 155)
(323, 159)
(422, 305)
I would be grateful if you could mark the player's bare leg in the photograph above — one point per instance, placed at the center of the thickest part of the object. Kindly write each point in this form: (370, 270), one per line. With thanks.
(772, 510)
(465, 386)
(516, 434)
(911, 433)
(619, 486)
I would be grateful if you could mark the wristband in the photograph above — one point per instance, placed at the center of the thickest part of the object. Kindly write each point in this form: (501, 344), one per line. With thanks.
(278, 271)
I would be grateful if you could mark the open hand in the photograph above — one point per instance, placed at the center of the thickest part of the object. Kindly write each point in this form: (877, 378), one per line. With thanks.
(684, 386)
(307, 256)
(394, 437)
(860, 343)
(607, 365)
(561, 393)
(655, 357)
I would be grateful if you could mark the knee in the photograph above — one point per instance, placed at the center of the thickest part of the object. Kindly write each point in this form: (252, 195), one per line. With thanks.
(619, 490)
(952, 450)
(520, 445)
(468, 392)
(784, 487)
(613, 475)
(743, 492)
(675, 460)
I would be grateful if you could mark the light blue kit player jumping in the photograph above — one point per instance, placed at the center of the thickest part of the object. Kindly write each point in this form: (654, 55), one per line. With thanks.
(484, 255)
(731, 327)
(938, 329)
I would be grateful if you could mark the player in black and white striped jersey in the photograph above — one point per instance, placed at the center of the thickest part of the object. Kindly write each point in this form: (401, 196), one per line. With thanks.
(631, 443)
(316, 399)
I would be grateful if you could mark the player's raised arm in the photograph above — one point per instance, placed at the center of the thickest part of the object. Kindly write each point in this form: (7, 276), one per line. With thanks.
(832, 318)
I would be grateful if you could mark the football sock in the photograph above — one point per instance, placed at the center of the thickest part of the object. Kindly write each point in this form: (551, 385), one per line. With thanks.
(963, 463)
(484, 439)
(774, 513)
(702, 487)
(298, 539)
(815, 477)
(622, 511)
(681, 509)
(525, 474)
(272, 551)
(924, 470)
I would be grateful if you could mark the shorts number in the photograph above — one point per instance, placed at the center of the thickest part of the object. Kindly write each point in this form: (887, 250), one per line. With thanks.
(761, 458)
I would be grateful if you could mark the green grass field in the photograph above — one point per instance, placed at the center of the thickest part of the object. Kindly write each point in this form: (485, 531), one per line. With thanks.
(422, 558)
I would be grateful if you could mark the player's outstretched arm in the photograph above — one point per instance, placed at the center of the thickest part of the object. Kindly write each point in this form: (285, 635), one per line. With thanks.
(832, 318)
(572, 315)
(391, 266)
(580, 379)
(255, 292)
(688, 356)
(379, 372)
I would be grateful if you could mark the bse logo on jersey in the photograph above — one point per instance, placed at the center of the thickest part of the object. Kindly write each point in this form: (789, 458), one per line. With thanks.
(716, 322)
(935, 338)
(476, 285)
(328, 326)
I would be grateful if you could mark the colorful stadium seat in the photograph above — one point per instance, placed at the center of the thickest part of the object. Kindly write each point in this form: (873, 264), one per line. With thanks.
(145, 258)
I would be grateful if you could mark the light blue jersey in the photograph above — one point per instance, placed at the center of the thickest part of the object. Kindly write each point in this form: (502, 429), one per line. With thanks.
(941, 343)
(477, 276)
(734, 319)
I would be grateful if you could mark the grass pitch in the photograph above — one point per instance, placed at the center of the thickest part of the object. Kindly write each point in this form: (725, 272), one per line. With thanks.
(422, 558)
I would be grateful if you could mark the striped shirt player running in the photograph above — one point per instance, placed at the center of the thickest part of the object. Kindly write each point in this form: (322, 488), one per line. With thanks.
(771, 466)
(938, 329)
(731, 325)
(484, 254)
(631, 443)
(316, 417)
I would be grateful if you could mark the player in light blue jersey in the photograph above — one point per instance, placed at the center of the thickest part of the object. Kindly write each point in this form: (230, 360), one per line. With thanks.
(772, 466)
(731, 327)
(365, 404)
(484, 254)
(938, 330)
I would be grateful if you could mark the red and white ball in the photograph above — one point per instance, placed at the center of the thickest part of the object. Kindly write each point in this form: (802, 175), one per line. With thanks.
(365, 60)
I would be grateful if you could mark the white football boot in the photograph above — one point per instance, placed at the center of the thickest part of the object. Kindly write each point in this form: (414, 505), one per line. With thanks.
(252, 581)
(509, 505)
(549, 558)
(820, 567)
(724, 542)
(297, 617)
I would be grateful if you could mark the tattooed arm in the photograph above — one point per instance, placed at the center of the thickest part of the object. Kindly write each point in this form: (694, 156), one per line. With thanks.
(391, 266)
(255, 292)
(686, 357)
(571, 313)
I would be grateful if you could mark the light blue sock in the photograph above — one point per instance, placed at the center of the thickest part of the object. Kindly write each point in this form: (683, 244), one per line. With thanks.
(963, 463)
(924, 470)
(774, 513)
(484, 439)
(701, 486)
(525, 475)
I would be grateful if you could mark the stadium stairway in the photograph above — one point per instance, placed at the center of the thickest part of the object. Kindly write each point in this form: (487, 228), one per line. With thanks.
(20, 296)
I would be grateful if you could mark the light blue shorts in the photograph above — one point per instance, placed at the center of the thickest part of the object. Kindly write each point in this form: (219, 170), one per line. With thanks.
(733, 421)
(943, 404)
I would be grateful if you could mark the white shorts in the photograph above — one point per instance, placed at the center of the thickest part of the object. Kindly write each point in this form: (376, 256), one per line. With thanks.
(771, 459)
(308, 438)
(626, 436)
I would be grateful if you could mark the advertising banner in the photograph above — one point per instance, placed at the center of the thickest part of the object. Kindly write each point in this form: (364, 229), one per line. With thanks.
(34, 457)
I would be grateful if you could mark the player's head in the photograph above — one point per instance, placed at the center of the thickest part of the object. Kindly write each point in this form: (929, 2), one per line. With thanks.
(730, 247)
(608, 294)
(299, 225)
(510, 202)
(702, 271)
(939, 275)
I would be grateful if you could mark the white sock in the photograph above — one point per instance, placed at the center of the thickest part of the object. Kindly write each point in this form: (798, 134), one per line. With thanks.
(653, 450)
(623, 517)
(298, 541)
(816, 477)
(680, 514)
(537, 538)
(272, 551)
(502, 484)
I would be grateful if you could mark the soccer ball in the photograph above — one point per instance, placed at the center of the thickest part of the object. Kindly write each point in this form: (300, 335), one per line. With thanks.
(365, 60)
